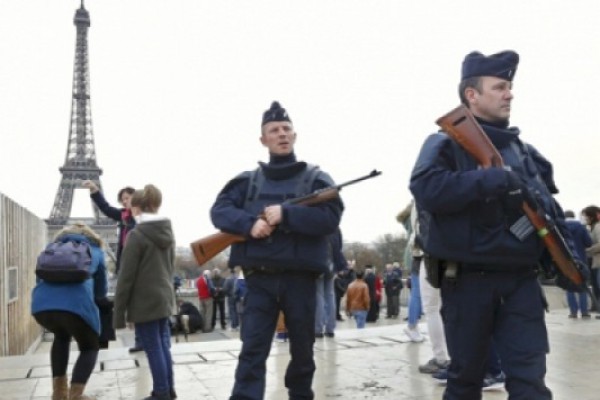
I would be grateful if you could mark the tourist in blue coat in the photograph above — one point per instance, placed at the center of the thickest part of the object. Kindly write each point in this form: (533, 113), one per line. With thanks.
(69, 311)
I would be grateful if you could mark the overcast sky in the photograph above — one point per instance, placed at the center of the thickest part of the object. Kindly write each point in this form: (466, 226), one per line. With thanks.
(178, 88)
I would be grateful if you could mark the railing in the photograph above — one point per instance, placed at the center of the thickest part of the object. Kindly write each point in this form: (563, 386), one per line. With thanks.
(22, 237)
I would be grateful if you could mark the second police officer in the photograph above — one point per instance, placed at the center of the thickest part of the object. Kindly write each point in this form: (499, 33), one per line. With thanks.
(493, 293)
(285, 251)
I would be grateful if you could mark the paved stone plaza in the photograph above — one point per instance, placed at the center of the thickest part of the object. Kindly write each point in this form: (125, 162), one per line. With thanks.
(375, 363)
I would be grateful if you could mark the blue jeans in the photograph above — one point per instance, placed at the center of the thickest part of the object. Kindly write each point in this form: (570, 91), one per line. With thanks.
(576, 306)
(414, 304)
(508, 309)
(233, 314)
(294, 293)
(156, 340)
(361, 318)
(325, 311)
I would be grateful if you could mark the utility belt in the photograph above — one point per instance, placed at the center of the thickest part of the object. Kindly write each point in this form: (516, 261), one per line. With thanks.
(266, 270)
(438, 270)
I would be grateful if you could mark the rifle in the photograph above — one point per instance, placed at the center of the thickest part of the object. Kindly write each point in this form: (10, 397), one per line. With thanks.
(208, 247)
(461, 125)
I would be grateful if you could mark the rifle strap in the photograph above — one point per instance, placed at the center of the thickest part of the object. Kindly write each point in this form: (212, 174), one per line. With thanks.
(305, 186)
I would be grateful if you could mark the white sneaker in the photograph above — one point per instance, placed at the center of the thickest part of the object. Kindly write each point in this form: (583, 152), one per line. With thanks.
(413, 334)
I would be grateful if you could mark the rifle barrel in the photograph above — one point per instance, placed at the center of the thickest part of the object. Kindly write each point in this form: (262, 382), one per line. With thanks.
(372, 174)
(337, 188)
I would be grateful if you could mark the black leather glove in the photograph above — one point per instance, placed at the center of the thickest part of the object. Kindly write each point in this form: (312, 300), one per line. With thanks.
(517, 193)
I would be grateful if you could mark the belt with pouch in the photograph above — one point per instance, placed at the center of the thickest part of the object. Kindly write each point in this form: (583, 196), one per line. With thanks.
(265, 270)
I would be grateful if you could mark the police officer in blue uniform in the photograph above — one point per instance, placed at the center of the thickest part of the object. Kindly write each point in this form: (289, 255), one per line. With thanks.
(285, 251)
(489, 287)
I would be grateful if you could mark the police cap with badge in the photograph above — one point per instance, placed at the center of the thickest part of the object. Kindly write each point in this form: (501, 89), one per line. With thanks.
(275, 113)
(501, 65)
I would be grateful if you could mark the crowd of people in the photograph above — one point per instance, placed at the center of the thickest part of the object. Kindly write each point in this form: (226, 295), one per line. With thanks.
(472, 264)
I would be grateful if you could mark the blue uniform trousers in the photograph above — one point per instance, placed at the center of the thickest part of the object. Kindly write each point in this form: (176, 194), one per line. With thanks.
(507, 307)
(294, 293)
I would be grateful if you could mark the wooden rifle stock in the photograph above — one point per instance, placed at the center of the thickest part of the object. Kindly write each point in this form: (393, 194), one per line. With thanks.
(208, 247)
(461, 125)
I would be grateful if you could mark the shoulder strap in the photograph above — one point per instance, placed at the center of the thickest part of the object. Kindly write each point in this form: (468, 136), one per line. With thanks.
(526, 161)
(525, 158)
(257, 177)
(307, 181)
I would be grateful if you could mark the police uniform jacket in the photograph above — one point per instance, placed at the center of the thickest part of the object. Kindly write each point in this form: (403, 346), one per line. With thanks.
(299, 243)
(462, 213)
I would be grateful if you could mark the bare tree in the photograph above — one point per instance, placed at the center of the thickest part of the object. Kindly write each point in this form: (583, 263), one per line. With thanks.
(186, 265)
(391, 247)
(362, 254)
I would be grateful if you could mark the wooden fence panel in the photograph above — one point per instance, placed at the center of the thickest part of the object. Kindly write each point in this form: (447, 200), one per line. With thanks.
(22, 236)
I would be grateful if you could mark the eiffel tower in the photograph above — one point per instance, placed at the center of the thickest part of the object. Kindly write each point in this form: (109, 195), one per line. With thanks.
(80, 162)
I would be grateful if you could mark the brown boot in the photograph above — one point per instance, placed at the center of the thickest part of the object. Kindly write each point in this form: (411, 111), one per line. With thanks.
(76, 392)
(60, 388)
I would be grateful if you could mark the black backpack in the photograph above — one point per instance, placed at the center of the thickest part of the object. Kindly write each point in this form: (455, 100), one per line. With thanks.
(65, 262)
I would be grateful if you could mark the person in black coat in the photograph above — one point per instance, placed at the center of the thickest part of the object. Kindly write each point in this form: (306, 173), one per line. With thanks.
(189, 318)
(122, 215)
(107, 332)
(340, 284)
(370, 278)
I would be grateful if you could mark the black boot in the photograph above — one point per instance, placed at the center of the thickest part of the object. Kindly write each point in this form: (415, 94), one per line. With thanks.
(161, 396)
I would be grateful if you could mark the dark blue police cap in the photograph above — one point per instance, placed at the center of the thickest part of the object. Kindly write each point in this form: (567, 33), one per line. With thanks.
(501, 65)
(275, 113)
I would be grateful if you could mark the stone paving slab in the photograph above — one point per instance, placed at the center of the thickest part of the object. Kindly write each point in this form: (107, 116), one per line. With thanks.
(374, 363)
(14, 373)
(186, 358)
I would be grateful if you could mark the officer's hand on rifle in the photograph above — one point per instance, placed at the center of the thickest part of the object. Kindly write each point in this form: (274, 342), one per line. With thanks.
(261, 229)
(517, 193)
(273, 214)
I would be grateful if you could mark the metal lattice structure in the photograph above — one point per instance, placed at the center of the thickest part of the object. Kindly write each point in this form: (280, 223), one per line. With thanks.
(80, 162)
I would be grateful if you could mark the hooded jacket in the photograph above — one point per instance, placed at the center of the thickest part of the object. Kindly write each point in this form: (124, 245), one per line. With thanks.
(144, 289)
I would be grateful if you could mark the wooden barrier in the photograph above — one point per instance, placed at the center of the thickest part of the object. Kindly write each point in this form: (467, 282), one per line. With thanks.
(22, 237)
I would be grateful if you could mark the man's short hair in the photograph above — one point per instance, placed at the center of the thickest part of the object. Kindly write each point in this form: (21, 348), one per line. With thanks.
(473, 82)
